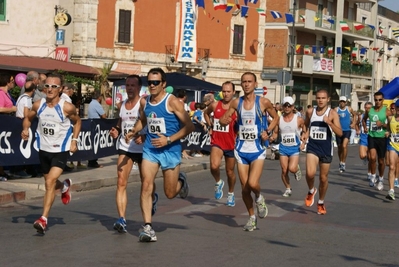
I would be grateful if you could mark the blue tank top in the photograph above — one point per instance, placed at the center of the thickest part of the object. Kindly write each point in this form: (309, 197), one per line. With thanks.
(344, 118)
(251, 123)
(161, 120)
(320, 135)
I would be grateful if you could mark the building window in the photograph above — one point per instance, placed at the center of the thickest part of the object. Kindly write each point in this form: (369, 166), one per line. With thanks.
(2, 10)
(125, 18)
(238, 39)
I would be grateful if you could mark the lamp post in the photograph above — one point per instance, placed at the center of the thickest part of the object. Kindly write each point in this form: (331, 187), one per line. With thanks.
(292, 42)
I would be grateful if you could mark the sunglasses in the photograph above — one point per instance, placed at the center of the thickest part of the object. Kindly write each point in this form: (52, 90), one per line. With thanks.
(52, 86)
(377, 99)
(155, 83)
(287, 105)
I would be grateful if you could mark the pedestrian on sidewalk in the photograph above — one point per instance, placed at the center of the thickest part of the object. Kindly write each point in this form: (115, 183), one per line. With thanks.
(129, 153)
(290, 127)
(167, 122)
(321, 122)
(222, 142)
(249, 149)
(56, 141)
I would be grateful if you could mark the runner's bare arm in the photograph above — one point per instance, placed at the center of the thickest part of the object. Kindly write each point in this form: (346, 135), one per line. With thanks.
(266, 105)
(188, 126)
(333, 121)
(70, 110)
(140, 123)
(208, 112)
(226, 118)
(26, 123)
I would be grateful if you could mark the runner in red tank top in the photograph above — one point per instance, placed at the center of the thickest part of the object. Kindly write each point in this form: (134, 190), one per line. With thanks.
(222, 142)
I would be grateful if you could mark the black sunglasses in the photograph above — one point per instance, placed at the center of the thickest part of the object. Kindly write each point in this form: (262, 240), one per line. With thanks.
(155, 83)
(378, 99)
(287, 105)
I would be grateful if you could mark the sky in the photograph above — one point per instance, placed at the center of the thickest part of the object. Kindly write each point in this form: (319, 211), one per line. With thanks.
(391, 4)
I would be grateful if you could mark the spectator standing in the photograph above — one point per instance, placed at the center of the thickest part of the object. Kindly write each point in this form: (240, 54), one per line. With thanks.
(95, 111)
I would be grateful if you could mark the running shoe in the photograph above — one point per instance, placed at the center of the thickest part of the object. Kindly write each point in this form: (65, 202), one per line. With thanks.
(309, 200)
(261, 207)
(219, 189)
(231, 200)
(380, 185)
(287, 192)
(321, 209)
(373, 180)
(343, 167)
(40, 225)
(120, 225)
(251, 225)
(147, 234)
(66, 196)
(298, 174)
(184, 185)
(391, 195)
(340, 167)
(154, 204)
(396, 183)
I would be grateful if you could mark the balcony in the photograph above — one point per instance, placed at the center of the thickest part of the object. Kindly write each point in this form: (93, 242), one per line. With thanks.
(356, 68)
(312, 20)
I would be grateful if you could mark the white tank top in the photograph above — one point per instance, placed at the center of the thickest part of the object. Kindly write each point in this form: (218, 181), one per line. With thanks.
(54, 130)
(128, 119)
(290, 133)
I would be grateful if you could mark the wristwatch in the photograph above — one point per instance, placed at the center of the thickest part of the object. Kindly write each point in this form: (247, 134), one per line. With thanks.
(168, 140)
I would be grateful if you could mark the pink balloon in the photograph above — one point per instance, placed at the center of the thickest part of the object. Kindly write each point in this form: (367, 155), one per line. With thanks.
(20, 79)
(108, 101)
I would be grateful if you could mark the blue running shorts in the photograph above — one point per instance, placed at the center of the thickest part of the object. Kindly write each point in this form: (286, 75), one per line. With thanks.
(248, 158)
(166, 159)
(363, 140)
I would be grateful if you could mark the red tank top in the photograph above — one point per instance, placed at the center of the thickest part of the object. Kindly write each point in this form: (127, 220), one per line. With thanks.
(223, 137)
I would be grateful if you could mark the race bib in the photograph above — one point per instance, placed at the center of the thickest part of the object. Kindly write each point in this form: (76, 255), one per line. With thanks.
(156, 125)
(374, 127)
(288, 139)
(248, 132)
(219, 128)
(318, 133)
(127, 127)
(49, 128)
(395, 138)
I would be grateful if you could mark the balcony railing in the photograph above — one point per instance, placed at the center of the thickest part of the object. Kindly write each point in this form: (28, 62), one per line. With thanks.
(356, 68)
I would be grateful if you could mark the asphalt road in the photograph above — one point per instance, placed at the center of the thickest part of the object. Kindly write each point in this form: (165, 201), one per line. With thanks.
(361, 227)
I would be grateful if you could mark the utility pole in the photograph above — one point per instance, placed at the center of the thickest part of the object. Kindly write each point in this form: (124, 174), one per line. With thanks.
(292, 52)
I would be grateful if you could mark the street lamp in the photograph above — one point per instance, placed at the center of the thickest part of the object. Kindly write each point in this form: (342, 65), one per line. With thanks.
(292, 42)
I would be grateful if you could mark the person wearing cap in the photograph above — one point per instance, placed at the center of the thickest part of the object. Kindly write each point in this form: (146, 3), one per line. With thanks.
(377, 138)
(393, 150)
(364, 153)
(290, 126)
(249, 150)
(344, 113)
(320, 123)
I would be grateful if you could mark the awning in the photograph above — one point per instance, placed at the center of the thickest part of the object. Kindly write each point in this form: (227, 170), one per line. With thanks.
(47, 65)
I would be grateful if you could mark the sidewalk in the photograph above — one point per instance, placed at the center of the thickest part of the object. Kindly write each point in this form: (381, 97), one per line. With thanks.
(19, 189)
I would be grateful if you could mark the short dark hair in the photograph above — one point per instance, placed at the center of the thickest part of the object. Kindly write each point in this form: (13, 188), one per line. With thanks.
(134, 76)
(181, 93)
(56, 75)
(323, 90)
(158, 71)
(249, 73)
(29, 86)
(5, 77)
(379, 93)
(96, 94)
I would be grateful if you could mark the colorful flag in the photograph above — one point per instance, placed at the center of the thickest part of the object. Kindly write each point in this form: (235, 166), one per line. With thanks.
(289, 18)
(253, 1)
(261, 11)
(276, 14)
(314, 49)
(363, 50)
(201, 3)
(375, 48)
(381, 29)
(354, 52)
(339, 50)
(316, 19)
(330, 50)
(331, 21)
(321, 49)
(219, 4)
(348, 48)
(244, 11)
(371, 26)
(298, 49)
(344, 26)
(395, 32)
(229, 7)
(306, 50)
(390, 48)
(358, 26)
(302, 17)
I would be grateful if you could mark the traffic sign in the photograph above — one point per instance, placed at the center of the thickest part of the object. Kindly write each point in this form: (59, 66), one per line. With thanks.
(283, 77)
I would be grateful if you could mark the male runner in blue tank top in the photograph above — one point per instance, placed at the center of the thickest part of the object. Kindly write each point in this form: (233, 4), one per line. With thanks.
(249, 149)
(345, 113)
(320, 123)
(167, 122)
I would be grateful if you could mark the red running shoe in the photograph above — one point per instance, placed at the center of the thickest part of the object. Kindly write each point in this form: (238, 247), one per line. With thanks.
(66, 196)
(40, 225)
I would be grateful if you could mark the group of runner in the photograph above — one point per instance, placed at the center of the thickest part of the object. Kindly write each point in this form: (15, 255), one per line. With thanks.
(149, 132)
